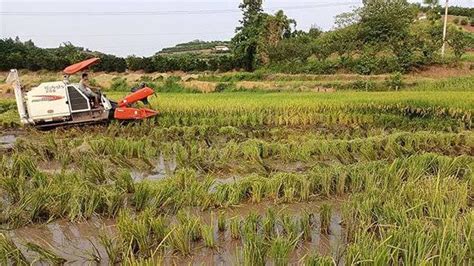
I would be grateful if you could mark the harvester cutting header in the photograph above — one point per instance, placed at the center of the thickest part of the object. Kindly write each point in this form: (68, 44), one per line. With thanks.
(60, 103)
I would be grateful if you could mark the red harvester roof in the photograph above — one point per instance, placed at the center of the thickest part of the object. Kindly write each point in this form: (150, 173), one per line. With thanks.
(73, 69)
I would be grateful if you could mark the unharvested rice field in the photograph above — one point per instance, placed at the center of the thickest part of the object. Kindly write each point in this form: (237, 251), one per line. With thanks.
(247, 178)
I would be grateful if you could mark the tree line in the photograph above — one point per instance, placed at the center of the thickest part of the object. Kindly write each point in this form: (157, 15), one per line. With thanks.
(381, 36)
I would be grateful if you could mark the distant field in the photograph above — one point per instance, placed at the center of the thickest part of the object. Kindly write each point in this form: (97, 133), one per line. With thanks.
(268, 172)
(433, 78)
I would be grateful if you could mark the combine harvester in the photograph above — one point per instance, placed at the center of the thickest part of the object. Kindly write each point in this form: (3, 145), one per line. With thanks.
(60, 103)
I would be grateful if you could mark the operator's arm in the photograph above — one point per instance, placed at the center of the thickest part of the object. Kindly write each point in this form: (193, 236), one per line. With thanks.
(92, 88)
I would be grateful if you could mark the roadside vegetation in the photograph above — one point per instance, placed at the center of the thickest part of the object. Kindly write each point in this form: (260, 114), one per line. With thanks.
(380, 37)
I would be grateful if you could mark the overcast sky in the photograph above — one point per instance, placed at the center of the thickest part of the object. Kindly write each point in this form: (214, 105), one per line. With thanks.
(144, 27)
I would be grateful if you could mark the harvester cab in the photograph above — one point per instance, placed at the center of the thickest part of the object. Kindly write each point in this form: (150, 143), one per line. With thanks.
(61, 103)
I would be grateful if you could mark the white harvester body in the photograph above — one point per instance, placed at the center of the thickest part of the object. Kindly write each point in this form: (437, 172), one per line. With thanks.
(56, 103)
(60, 103)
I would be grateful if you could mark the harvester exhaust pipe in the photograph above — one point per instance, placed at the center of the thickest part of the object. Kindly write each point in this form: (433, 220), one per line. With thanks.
(14, 80)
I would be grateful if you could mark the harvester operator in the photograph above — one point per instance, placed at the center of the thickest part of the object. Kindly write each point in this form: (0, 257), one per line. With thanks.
(90, 91)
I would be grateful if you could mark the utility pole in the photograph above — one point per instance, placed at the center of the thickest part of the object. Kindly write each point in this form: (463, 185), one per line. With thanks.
(445, 29)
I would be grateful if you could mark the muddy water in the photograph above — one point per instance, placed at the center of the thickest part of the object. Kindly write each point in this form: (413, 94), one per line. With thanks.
(162, 169)
(76, 242)
(229, 251)
(7, 142)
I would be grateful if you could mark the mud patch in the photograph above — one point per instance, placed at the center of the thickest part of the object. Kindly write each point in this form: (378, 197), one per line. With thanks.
(7, 142)
(78, 243)
(163, 169)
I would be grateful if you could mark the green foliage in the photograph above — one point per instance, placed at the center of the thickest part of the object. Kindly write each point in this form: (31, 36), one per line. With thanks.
(225, 87)
(180, 62)
(172, 84)
(453, 10)
(192, 46)
(248, 34)
(293, 49)
(280, 250)
(395, 81)
(459, 42)
(25, 55)
(120, 84)
(398, 42)
(385, 21)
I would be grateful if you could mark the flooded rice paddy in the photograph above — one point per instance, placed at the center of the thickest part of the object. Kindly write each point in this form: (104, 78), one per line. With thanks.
(79, 243)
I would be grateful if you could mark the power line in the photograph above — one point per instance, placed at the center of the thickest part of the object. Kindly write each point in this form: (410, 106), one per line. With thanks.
(118, 35)
(162, 13)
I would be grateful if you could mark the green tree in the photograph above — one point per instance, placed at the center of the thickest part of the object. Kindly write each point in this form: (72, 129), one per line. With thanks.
(315, 31)
(322, 47)
(276, 28)
(246, 42)
(296, 49)
(385, 21)
(459, 41)
(428, 39)
(433, 9)
(344, 41)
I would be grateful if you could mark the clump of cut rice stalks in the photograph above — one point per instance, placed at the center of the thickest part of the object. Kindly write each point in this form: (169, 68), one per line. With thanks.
(207, 232)
(325, 218)
(317, 260)
(234, 226)
(269, 222)
(221, 221)
(289, 226)
(184, 233)
(306, 225)
(254, 249)
(112, 246)
(281, 248)
(251, 223)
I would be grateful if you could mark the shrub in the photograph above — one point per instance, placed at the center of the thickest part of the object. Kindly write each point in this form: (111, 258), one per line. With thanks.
(171, 85)
(459, 42)
(366, 65)
(395, 81)
(225, 86)
(119, 84)
(456, 20)
(362, 85)
(322, 67)
(464, 21)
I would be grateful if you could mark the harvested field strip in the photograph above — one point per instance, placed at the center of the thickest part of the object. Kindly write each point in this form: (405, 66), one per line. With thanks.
(33, 196)
(147, 234)
(254, 153)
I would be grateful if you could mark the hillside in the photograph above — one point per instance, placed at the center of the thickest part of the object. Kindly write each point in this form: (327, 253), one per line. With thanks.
(196, 47)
